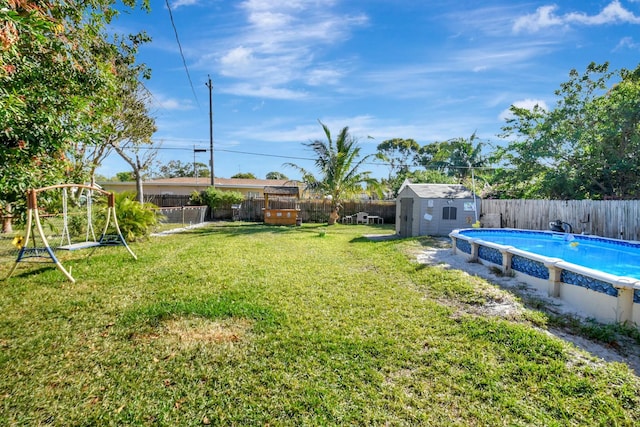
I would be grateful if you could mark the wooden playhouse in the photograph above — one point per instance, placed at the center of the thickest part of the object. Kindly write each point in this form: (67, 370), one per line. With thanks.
(282, 215)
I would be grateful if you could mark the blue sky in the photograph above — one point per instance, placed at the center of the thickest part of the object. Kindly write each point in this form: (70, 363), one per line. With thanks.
(426, 70)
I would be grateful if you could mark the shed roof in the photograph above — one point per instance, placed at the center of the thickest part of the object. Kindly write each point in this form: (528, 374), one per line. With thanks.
(273, 190)
(441, 191)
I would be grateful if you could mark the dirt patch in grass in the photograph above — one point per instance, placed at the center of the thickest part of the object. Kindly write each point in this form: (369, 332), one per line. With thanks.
(191, 331)
(198, 330)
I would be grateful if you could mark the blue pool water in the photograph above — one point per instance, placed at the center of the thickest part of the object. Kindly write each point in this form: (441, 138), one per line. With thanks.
(616, 257)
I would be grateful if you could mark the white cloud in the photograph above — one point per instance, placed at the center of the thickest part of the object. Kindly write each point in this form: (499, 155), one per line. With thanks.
(179, 3)
(545, 17)
(280, 45)
(499, 56)
(542, 18)
(286, 130)
(611, 14)
(527, 104)
(493, 20)
(161, 102)
(240, 57)
(264, 91)
(323, 76)
(627, 43)
(269, 19)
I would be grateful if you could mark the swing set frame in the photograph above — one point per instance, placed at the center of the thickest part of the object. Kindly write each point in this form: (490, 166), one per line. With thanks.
(47, 251)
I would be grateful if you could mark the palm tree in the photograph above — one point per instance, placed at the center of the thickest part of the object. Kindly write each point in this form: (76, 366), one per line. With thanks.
(339, 165)
(463, 156)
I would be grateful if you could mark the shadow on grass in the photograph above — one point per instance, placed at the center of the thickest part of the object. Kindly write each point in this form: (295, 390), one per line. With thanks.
(235, 229)
(28, 270)
(432, 241)
(421, 266)
(380, 237)
(365, 239)
(220, 306)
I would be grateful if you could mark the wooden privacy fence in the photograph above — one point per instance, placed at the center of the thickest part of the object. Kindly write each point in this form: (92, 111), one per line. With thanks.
(310, 210)
(617, 219)
(167, 200)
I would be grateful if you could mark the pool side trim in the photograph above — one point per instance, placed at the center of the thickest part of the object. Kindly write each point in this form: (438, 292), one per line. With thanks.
(626, 288)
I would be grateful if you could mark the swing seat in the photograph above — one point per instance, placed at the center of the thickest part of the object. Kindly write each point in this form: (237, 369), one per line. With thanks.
(111, 240)
(39, 252)
(48, 251)
(79, 245)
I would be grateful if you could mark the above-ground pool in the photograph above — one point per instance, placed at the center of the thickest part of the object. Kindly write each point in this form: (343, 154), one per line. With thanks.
(598, 277)
(616, 257)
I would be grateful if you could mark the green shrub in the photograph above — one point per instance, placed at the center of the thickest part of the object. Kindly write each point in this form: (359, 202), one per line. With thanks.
(215, 198)
(195, 198)
(135, 219)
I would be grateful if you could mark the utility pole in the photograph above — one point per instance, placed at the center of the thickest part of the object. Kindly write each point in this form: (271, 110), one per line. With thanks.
(210, 86)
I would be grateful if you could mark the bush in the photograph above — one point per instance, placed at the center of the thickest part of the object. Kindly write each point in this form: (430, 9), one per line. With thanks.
(135, 219)
(215, 198)
(195, 199)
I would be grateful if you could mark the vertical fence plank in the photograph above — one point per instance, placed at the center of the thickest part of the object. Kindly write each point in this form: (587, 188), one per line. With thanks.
(316, 211)
(618, 219)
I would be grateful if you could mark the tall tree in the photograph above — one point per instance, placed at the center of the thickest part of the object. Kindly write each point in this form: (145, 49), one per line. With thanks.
(399, 154)
(201, 170)
(611, 164)
(433, 156)
(175, 169)
(456, 157)
(180, 169)
(276, 175)
(125, 123)
(244, 175)
(465, 156)
(140, 161)
(338, 163)
(125, 176)
(583, 148)
(52, 66)
(133, 130)
(130, 126)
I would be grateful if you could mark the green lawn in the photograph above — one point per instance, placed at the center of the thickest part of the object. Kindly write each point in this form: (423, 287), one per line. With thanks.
(245, 324)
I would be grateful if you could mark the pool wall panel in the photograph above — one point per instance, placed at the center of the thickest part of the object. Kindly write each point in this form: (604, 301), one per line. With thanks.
(597, 305)
(602, 296)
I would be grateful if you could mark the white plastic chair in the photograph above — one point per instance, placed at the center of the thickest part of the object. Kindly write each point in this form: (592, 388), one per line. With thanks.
(347, 219)
(362, 218)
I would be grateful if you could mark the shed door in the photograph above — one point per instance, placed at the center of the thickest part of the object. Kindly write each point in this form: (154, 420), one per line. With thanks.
(406, 216)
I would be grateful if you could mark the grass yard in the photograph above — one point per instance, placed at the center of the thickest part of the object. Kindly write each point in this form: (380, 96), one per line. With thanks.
(246, 324)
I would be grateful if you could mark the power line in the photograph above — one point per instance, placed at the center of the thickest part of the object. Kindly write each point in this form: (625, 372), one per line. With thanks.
(266, 155)
(250, 153)
(175, 30)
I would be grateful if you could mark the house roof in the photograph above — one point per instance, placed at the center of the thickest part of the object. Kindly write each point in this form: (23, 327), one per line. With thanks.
(441, 191)
(222, 182)
(282, 191)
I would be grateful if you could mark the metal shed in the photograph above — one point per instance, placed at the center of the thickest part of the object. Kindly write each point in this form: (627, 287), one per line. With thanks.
(434, 209)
